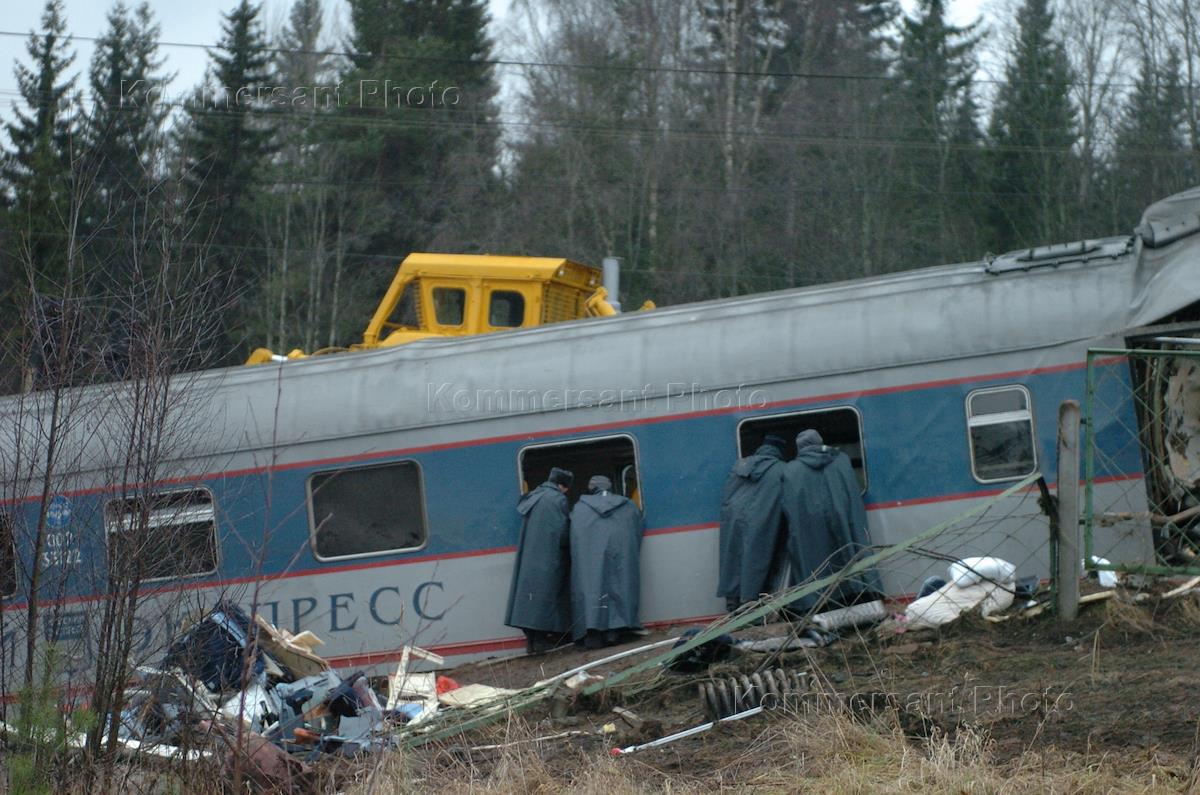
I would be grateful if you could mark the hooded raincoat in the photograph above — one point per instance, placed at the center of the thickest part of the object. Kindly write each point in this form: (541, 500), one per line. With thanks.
(538, 598)
(826, 518)
(751, 515)
(606, 540)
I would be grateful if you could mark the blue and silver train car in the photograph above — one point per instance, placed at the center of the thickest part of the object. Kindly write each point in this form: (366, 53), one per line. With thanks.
(370, 497)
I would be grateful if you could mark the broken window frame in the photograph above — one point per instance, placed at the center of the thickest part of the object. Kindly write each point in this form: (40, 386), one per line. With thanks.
(312, 511)
(637, 463)
(8, 537)
(858, 419)
(191, 515)
(1001, 418)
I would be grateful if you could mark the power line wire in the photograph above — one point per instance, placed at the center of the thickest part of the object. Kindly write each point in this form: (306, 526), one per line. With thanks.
(626, 68)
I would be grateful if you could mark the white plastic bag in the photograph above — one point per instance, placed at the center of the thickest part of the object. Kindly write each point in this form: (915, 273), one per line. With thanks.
(950, 601)
(1108, 579)
(970, 571)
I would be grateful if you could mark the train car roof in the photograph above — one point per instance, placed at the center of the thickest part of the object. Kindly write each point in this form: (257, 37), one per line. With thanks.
(1026, 300)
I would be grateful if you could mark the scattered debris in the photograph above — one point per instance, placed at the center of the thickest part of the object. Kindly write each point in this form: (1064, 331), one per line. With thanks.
(1185, 588)
(972, 571)
(853, 616)
(631, 719)
(670, 738)
(724, 696)
(473, 695)
(413, 697)
(986, 583)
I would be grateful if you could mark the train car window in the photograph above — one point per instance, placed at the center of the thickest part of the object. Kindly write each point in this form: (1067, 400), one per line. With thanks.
(1000, 426)
(170, 535)
(8, 557)
(367, 511)
(840, 427)
(506, 309)
(449, 305)
(612, 456)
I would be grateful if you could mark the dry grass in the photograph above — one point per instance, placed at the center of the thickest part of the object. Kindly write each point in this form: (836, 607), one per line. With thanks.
(827, 753)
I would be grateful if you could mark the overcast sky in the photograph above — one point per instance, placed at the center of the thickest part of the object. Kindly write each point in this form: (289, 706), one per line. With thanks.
(199, 23)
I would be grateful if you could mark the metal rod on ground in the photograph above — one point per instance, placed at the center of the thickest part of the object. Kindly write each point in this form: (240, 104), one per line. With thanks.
(658, 644)
(670, 738)
(1067, 560)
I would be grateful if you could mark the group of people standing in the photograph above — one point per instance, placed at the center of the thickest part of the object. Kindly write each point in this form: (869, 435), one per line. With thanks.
(577, 574)
(786, 522)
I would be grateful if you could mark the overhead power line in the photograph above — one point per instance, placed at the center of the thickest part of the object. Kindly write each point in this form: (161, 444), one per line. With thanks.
(624, 68)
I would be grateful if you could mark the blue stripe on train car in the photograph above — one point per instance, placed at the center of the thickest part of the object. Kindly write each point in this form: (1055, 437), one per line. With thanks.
(915, 445)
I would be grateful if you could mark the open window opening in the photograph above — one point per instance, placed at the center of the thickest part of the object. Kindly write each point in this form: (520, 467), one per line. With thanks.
(8, 557)
(367, 511)
(612, 456)
(1000, 426)
(449, 305)
(840, 427)
(170, 535)
(506, 309)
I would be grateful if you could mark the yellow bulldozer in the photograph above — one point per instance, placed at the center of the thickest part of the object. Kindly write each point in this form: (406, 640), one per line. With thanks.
(457, 295)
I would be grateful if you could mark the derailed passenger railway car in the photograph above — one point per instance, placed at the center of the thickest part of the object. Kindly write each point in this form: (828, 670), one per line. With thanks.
(370, 496)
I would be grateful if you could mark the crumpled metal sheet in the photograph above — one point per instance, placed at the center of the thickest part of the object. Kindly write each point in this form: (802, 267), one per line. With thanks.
(1182, 425)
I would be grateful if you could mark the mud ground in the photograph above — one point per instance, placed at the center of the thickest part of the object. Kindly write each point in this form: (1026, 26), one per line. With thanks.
(1121, 682)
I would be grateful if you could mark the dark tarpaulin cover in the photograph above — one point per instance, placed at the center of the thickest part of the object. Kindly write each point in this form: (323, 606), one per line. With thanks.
(826, 519)
(538, 597)
(751, 513)
(606, 540)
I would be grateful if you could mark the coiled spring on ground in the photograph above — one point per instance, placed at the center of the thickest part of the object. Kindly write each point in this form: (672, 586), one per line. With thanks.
(729, 695)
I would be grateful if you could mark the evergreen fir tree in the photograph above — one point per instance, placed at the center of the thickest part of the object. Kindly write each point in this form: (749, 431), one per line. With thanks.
(420, 83)
(225, 145)
(1031, 133)
(39, 169)
(227, 140)
(1151, 157)
(122, 130)
(933, 108)
(299, 63)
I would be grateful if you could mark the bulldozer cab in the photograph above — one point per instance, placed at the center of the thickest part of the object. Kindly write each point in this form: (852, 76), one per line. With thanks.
(452, 295)
(458, 295)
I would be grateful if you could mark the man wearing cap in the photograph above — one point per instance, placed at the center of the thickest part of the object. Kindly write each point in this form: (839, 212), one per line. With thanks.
(826, 520)
(606, 541)
(751, 518)
(539, 598)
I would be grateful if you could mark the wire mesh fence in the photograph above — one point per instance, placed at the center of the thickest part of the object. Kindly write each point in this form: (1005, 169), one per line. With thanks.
(1141, 502)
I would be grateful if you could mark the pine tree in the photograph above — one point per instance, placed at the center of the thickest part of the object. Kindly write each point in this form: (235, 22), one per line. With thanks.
(844, 235)
(299, 62)
(1151, 158)
(227, 140)
(123, 129)
(418, 95)
(933, 108)
(299, 209)
(1031, 135)
(39, 168)
(225, 145)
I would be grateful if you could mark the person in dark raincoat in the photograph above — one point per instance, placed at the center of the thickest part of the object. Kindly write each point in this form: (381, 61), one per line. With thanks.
(539, 597)
(606, 540)
(751, 515)
(826, 520)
